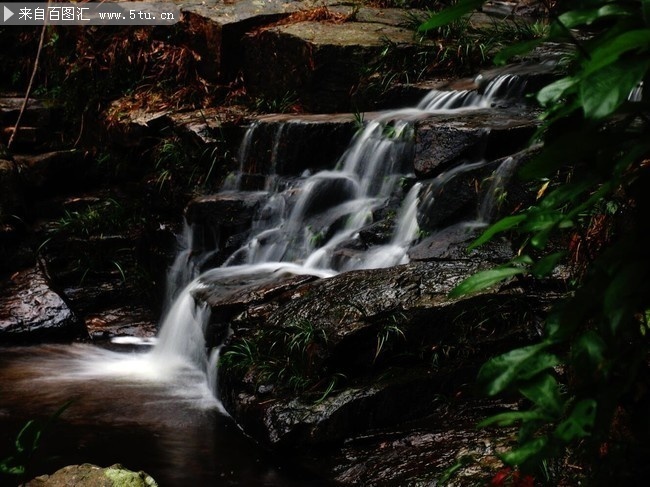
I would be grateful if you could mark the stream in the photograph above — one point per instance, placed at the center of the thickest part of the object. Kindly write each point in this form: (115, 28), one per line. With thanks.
(154, 406)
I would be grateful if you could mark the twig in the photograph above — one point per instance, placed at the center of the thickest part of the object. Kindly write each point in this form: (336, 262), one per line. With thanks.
(31, 82)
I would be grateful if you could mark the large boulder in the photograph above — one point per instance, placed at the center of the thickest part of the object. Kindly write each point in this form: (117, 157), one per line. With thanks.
(335, 357)
(87, 475)
(30, 310)
(320, 63)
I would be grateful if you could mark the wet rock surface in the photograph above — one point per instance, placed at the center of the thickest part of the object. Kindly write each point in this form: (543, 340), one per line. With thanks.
(379, 339)
(444, 141)
(31, 311)
(375, 351)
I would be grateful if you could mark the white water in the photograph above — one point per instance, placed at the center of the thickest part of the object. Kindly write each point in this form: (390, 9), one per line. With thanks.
(302, 225)
(299, 230)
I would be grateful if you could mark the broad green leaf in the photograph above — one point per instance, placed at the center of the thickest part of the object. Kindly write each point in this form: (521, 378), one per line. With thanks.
(546, 264)
(588, 352)
(555, 91)
(622, 286)
(565, 193)
(506, 53)
(580, 423)
(450, 14)
(609, 52)
(541, 220)
(524, 363)
(484, 279)
(564, 150)
(574, 18)
(525, 451)
(606, 89)
(511, 417)
(543, 391)
(501, 226)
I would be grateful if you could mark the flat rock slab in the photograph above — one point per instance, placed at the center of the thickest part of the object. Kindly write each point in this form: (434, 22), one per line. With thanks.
(319, 63)
(443, 141)
(216, 28)
(31, 311)
(124, 321)
(421, 455)
(50, 172)
(36, 113)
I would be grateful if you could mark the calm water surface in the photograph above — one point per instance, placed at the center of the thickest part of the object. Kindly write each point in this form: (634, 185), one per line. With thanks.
(160, 418)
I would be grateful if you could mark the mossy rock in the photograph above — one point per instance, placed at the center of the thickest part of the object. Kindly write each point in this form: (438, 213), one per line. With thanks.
(87, 475)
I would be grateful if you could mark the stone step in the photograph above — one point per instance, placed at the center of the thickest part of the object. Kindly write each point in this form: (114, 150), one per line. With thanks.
(52, 172)
(319, 63)
(36, 114)
(216, 29)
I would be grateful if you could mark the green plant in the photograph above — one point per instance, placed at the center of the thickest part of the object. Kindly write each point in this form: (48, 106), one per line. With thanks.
(27, 443)
(103, 217)
(585, 381)
(287, 102)
(286, 357)
(386, 333)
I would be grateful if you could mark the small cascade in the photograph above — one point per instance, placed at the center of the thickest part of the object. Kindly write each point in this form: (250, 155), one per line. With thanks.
(304, 222)
(232, 181)
(184, 268)
(495, 191)
(636, 95)
(506, 86)
(181, 336)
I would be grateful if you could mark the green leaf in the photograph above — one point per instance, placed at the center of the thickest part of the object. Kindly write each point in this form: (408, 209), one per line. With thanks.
(588, 352)
(543, 391)
(525, 451)
(546, 264)
(609, 52)
(623, 285)
(10, 466)
(511, 417)
(567, 148)
(29, 437)
(501, 226)
(555, 91)
(450, 14)
(518, 49)
(484, 279)
(580, 423)
(574, 18)
(524, 363)
(606, 89)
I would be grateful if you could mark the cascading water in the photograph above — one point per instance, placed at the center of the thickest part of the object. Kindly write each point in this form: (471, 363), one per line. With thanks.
(303, 224)
(301, 228)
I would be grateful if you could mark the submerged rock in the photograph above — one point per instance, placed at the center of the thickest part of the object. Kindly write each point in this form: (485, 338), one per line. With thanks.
(87, 475)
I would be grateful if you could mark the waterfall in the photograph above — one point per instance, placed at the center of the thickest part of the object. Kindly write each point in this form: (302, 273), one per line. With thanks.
(303, 224)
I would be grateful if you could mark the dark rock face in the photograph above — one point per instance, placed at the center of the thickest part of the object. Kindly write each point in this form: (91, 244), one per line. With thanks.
(31, 311)
(10, 188)
(223, 215)
(444, 141)
(375, 335)
(286, 140)
(51, 172)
